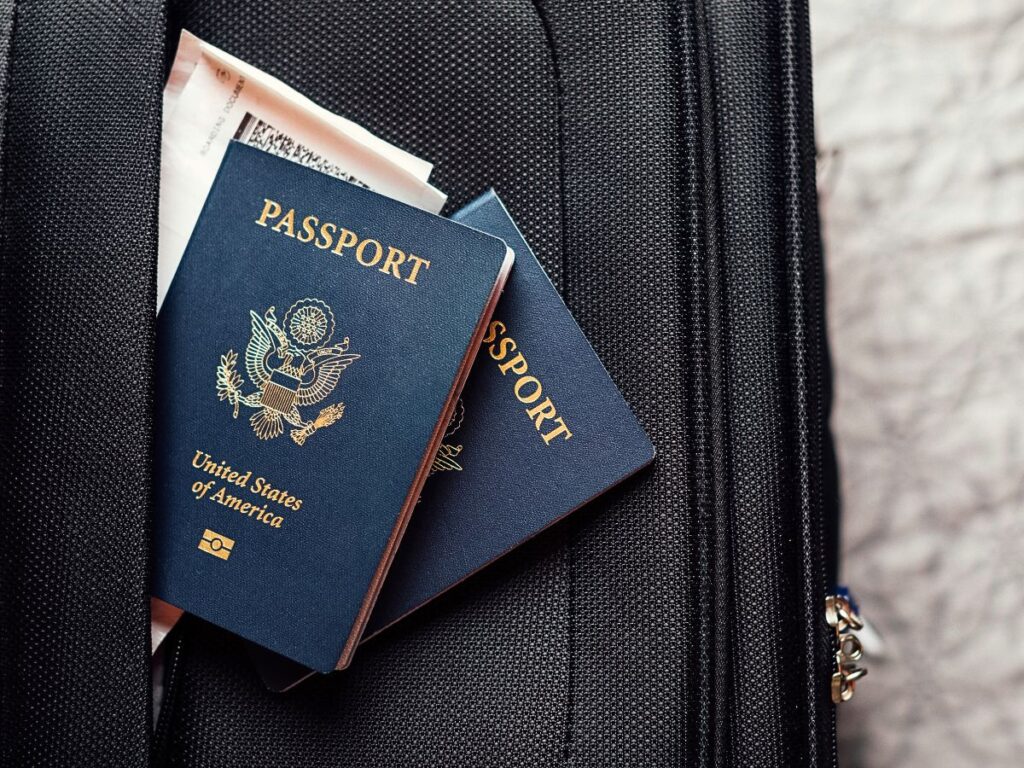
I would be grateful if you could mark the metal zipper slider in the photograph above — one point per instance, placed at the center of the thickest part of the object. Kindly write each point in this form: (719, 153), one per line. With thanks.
(842, 616)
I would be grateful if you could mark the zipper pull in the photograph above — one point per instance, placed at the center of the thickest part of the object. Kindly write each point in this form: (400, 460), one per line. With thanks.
(841, 614)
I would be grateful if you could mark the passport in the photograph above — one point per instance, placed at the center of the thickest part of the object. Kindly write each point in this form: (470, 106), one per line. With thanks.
(310, 353)
(541, 430)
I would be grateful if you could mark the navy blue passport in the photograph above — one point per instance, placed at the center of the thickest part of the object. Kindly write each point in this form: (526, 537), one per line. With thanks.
(541, 429)
(310, 353)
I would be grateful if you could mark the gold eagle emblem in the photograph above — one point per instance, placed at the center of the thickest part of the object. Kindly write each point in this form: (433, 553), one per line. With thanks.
(293, 365)
(445, 460)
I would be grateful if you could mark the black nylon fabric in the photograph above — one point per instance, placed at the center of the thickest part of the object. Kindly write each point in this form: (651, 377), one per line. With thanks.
(658, 157)
(80, 186)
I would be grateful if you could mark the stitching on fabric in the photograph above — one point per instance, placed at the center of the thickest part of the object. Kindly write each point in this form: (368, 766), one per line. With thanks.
(6, 46)
(567, 739)
(713, 748)
(7, 38)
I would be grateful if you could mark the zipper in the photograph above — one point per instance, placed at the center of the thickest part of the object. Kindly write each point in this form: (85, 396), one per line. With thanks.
(843, 617)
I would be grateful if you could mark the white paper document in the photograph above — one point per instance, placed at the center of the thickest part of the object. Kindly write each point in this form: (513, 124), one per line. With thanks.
(211, 97)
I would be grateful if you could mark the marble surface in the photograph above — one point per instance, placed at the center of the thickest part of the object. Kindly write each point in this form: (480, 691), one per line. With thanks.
(920, 120)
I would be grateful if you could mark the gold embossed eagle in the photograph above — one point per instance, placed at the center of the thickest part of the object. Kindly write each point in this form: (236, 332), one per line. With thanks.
(445, 460)
(293, 365)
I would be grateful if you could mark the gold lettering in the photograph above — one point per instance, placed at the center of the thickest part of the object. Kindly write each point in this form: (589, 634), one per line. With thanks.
(261, 487)
(417, 262)
(516, 365)
(527, 388)
(205, 462)
(200, 488)
(562, 429)
(362, 246)
(492, 331)
(520, 383)
(268, 206)
(288, 222)
(394, 258)
(308, 229)
(502, 348)
(346, 239)
(542, 412)
(227, 500)
(327, 235)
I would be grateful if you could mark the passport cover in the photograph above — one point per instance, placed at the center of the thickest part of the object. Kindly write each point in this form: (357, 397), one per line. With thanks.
(310, 352)
(541, 429)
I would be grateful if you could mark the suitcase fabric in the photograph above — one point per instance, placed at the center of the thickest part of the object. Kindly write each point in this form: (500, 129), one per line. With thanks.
(659, 159)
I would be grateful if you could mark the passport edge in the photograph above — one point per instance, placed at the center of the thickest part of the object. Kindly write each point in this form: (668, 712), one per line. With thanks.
(649, 457)
(355, 636)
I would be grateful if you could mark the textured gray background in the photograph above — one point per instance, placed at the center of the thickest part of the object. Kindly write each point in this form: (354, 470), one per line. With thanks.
(920, 106)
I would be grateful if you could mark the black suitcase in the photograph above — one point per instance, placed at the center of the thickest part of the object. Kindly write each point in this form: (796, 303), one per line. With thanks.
(659, 158)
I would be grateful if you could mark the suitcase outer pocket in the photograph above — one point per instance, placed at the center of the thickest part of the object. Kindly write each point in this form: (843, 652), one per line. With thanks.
(659, 158)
